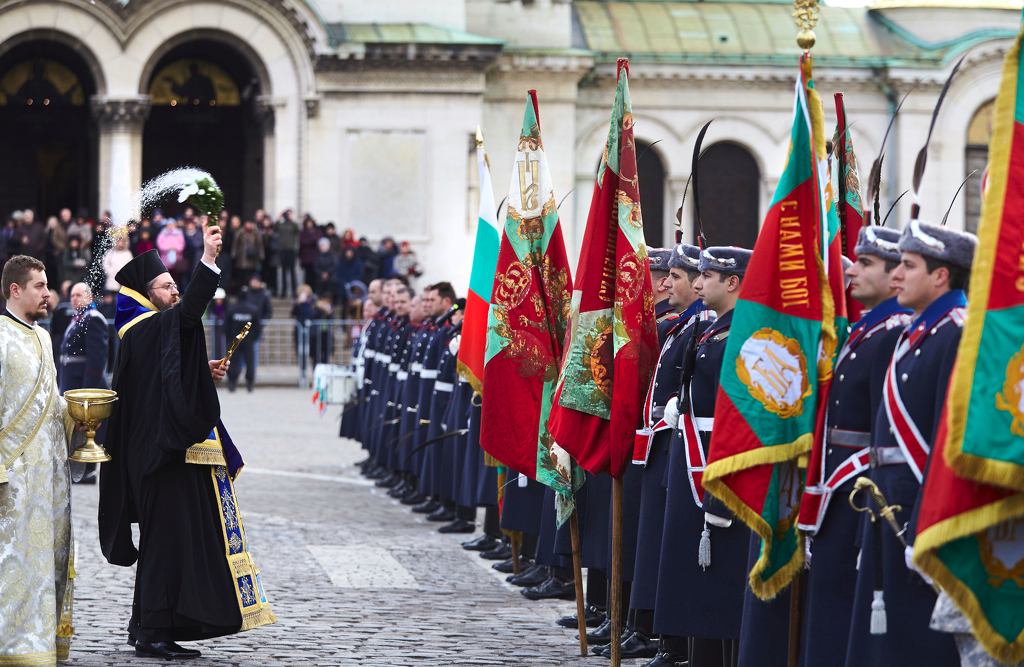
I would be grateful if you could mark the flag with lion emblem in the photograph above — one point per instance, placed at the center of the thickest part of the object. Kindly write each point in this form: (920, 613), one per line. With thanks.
(613, 342)
(781, 346)
(973, 502)
(526, 325)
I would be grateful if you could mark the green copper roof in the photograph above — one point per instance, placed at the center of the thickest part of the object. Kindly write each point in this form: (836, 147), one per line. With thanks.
(402, 33)
(731, 32)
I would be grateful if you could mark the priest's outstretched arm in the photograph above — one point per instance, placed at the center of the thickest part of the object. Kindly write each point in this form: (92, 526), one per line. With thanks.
(204, 281)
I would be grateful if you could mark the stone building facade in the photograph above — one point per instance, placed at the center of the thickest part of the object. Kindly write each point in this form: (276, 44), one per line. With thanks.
(363, 112)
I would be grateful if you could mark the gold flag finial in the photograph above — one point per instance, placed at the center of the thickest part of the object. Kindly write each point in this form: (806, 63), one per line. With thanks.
(479, 138)
(806, 14)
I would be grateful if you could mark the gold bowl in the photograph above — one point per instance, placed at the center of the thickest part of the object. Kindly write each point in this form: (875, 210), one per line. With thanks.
(90, 407)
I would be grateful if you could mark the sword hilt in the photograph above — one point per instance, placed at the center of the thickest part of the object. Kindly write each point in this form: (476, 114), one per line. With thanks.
(884, 508)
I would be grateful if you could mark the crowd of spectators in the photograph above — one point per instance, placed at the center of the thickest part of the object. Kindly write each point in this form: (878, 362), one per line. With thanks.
(284, 254)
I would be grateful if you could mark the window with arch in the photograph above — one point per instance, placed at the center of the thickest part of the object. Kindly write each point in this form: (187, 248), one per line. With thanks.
(730, 183)
(979, 133)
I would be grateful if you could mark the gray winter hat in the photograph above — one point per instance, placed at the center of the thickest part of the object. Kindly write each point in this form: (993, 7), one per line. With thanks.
(941, 243)
(658, 259)
(685, 257)
(882, 242)
(730, 260)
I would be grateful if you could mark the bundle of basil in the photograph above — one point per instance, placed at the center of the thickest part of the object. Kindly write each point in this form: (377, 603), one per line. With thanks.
(204, 194)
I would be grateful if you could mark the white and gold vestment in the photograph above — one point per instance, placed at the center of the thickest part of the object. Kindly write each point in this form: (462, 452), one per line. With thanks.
(35, 501)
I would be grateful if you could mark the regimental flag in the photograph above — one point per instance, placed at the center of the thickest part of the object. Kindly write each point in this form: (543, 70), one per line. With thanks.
(526, 325)
(613, 341)
(970, 529)
(481, 278)
(846, 186)
(765, 412)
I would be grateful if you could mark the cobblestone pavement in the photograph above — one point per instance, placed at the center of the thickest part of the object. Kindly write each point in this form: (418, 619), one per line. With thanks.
(353, 576)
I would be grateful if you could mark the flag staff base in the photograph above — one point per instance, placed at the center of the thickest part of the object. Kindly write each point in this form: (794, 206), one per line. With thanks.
(581, 614)
(796, 597)
(615, 608)
(515, 555)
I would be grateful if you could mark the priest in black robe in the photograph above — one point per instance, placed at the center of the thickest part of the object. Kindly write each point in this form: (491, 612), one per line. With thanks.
(172, 468)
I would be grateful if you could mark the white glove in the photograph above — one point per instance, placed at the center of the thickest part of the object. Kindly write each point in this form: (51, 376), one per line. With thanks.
(672, 413)
(453, 346)
(908, 556)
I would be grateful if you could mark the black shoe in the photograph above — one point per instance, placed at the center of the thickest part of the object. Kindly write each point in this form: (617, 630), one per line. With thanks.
(388, 482)
(552, 589)
(232, 386)
(535, 575)
(428, 506)
(413, 497)
(249, 386)
(602, 635)
(505, 566)
(443, 514)
(592, 617)
(458, 526)
(637, 645)
(483, 543)
(379, 472)
(398, 490)
(168, 650)
(365, 462)
(604, 649)
(667, 660)
(501, 552)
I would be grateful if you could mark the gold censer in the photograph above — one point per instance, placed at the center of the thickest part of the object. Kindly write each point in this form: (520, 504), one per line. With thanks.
(90, 407)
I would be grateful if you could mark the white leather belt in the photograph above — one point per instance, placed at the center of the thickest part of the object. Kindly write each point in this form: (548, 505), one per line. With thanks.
(402, 376)
(704, 424)
(384, 358)
(843, 438)
(886, 456)
(416, 368)
(428, 374)
(443, 386)
(368, 354)
(393, 368)
(72, 359)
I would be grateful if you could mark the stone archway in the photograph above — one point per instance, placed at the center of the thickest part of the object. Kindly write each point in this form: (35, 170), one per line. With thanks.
(729, 195)
(48, 144)
(205, 111)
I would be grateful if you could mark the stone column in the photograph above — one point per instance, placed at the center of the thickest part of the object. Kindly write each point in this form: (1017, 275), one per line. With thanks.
(121, 121)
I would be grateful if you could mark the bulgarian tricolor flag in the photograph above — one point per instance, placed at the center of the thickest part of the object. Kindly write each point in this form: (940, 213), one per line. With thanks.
(780, 347)
(970, 529)
(613, 342)
(526, 325)
(481, 278)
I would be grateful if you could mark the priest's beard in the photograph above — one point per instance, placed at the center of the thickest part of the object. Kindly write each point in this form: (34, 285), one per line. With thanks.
(162, 302)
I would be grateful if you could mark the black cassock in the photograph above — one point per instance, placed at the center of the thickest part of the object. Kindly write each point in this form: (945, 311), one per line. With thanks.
(168, 402)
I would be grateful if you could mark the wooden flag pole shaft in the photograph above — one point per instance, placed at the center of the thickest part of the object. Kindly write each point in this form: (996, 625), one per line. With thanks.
(581, 614)
(616, 601)
(515, 555)
(796, 596)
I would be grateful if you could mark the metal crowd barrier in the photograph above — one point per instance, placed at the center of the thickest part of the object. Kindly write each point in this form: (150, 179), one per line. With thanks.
(287, 350)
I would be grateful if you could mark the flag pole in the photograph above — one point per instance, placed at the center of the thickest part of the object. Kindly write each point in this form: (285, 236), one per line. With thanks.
(806, 15)
(515, 554)
(616, 601)
(581, 614)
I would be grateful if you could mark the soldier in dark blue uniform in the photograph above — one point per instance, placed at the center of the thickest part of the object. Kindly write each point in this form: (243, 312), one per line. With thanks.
(853, 400)
(408, 492)
(651, 451)
(375, 372)
(365, 366)
(704, 602)
(83, 355)
(930, 280)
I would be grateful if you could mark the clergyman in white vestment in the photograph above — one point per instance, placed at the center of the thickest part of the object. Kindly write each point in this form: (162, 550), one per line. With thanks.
(35, 485)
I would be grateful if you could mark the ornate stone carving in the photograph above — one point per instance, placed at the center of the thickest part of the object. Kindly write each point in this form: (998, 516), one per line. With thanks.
(120, 114)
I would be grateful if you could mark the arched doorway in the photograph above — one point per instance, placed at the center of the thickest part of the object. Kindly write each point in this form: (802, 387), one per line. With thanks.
(979, 133)
(48, 146)
(204, 114)
(730, 183)
(651, 172)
